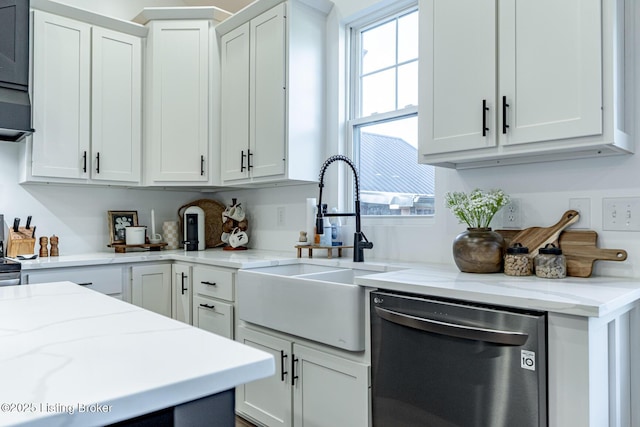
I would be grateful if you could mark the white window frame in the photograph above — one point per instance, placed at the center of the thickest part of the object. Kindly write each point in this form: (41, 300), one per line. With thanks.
(353, 48)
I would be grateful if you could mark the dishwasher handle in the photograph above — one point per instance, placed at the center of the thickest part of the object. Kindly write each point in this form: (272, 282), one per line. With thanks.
(493, 336)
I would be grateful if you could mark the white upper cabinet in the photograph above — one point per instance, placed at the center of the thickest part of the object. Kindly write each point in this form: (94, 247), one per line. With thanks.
(177, 101)
(272, 92)
(510, 82)
(86, 96)
(61, 95)
(116, 97)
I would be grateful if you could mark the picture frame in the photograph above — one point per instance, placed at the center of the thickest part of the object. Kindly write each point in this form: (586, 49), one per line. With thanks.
(118, 221)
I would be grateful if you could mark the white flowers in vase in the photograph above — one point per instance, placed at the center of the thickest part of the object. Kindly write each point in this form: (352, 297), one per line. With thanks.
(477, 208)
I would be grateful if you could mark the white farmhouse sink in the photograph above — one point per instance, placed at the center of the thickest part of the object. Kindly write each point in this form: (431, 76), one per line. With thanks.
(319, 303)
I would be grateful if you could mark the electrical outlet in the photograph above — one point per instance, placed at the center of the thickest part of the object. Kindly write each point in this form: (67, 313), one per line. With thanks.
(583, 206)
(281, 216)
(621, 214)
(512, 215)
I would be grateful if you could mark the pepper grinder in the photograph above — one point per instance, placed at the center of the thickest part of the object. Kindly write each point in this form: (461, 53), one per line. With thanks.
(54, 246)
(44, 242)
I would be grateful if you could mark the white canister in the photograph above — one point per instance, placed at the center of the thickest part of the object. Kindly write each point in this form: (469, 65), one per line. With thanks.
(135, 235)
(170, 233)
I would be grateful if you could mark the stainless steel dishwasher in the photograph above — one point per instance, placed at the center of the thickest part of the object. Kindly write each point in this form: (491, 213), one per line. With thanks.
(446, 363)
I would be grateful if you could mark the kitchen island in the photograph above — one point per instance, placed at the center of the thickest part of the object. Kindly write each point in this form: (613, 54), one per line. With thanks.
(72, 356)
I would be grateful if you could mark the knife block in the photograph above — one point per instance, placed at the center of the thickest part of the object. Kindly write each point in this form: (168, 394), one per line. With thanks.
(21, 242)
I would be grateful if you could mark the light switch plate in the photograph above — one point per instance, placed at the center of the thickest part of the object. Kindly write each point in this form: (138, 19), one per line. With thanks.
(621, 214)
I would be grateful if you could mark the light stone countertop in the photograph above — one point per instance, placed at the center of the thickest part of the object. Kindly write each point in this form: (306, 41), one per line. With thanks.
(594, 296)
(63, 346)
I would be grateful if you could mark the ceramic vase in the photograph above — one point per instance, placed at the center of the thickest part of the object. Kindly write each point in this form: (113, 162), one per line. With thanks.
(479, 250)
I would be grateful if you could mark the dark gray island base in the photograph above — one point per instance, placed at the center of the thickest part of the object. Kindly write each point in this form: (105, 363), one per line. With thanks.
(217, 410)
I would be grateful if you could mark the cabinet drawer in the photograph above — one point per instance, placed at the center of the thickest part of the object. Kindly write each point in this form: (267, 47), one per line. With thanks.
(213, 316)
(106, 280)
(213, 282)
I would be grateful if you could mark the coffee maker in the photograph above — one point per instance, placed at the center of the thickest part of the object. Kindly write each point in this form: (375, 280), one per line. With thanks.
(194, 229)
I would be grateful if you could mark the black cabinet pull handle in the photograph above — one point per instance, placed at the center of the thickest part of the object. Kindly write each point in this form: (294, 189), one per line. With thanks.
(84, 162)
(182, 284)
(98, 162)
(86, 284)
(209, 283)
(283, 365)
(208, 306)
(485, 129)
(249, 159)
(294, 362)
(202, 165)
(505, 126)
(242, 157)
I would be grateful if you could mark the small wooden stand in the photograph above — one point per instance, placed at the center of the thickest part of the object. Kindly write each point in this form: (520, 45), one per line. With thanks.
(329, 250)
(121, 248)
(21, 242)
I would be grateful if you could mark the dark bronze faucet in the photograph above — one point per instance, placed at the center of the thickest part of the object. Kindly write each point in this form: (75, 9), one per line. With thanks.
(360, 241)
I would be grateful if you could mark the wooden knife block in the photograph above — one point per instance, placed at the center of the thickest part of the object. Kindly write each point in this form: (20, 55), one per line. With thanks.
(21, 242)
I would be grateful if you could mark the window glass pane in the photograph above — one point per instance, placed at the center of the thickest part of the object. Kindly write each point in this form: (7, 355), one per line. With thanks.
(379, 92)
(408, 37)
(378, 47)
(407, 86)
(391, 180)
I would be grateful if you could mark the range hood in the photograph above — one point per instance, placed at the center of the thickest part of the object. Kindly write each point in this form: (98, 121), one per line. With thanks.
(15, 106)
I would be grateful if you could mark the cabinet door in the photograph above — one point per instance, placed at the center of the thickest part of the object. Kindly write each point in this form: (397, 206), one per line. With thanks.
(213, 315)
(151, 288)
(550, 69)
(329, 390)
(457, 73)
(267, 400)
(178, 132)
(235, 103)
(116, 95)
(61, 79)
(181, 293)
(267, 139)
(14, 49)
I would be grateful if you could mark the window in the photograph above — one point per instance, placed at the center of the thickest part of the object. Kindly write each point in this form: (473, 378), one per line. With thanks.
(383, 122)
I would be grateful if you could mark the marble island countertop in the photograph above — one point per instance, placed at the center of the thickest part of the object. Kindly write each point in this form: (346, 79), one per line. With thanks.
(71, 356)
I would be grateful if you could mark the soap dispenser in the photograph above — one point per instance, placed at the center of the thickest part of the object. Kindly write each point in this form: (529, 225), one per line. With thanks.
(325, 237)
(336, 229)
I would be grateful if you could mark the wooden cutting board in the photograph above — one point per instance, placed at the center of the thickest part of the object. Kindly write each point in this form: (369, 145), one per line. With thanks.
(580, 248)
(535, 238)
(581, 251)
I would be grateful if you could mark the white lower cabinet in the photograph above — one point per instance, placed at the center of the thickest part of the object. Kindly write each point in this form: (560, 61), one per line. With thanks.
(310, 388)
(213, 297)
(104, 279)
(181, 292)
(151, 287)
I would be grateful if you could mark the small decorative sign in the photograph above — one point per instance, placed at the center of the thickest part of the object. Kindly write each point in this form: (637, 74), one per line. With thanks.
(118, 221)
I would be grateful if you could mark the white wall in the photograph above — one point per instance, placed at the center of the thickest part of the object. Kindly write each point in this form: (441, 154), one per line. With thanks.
(78, 214)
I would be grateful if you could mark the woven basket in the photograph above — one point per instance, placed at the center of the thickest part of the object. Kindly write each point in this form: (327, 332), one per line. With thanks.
(212, 220)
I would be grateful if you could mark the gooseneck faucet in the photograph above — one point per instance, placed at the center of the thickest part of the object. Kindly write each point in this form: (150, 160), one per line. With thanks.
(360, 241)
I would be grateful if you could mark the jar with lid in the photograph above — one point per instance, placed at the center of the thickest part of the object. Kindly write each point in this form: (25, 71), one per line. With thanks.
(550, 263)
(517, 261)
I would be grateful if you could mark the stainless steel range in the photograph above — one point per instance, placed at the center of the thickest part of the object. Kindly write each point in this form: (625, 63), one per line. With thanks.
(9, 272)
(9, 269)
